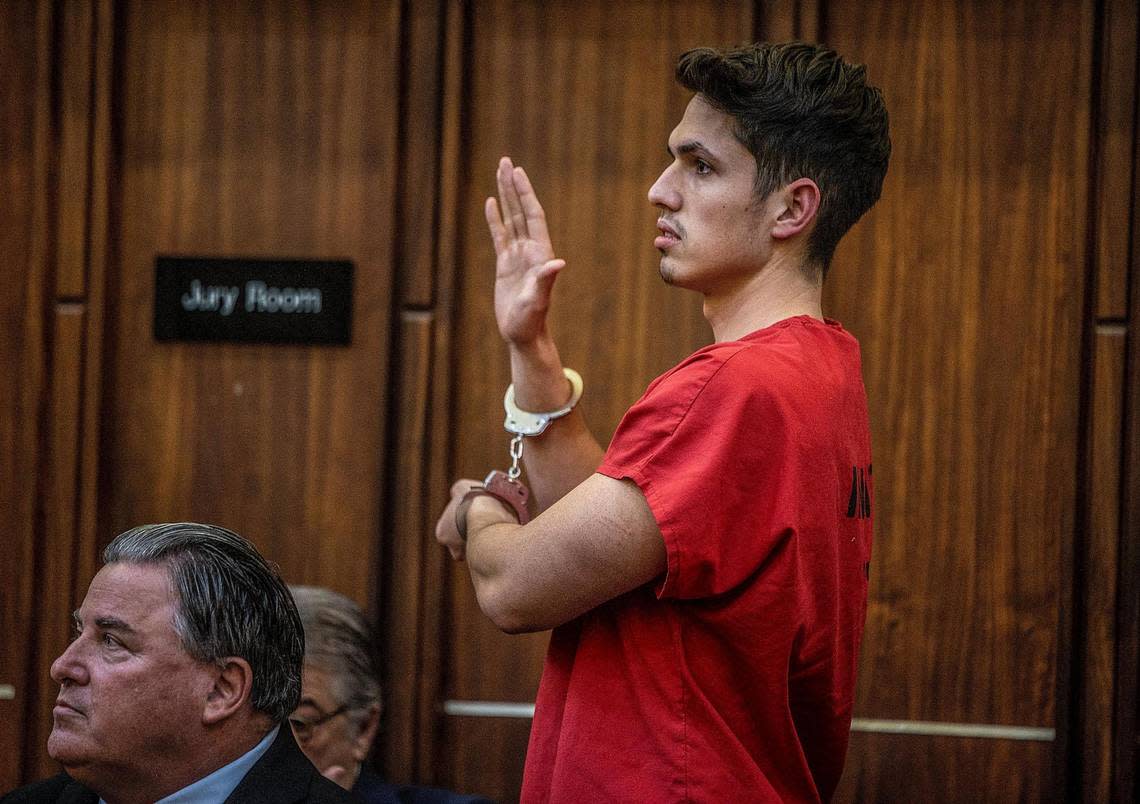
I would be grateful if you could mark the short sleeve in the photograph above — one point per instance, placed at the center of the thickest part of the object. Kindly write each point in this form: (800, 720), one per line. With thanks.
(704, 445)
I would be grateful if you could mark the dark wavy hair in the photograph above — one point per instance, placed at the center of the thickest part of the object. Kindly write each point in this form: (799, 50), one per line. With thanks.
(231, 602)
(801, 111)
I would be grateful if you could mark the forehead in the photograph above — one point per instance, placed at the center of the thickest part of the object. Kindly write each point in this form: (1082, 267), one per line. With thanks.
(139, 595)
(704, 124)
(318, 686)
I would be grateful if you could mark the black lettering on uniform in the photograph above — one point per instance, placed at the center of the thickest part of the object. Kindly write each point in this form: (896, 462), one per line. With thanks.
(853, 501)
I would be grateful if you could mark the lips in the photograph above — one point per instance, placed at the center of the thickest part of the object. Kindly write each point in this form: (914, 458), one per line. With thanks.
(668, 236)
(63, 708)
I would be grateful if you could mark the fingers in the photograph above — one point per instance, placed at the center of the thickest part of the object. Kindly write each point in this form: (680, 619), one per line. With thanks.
(513, 217)
(495, 224)
(445, 530)
(532, 209)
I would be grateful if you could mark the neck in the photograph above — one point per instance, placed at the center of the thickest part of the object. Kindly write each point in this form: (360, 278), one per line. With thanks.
(195, 762)
(782, 289)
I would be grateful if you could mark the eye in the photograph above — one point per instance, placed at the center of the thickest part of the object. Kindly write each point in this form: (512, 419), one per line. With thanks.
(110, 641)
(703, 168)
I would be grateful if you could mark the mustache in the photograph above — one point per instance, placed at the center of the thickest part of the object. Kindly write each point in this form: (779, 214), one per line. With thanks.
(671, 224)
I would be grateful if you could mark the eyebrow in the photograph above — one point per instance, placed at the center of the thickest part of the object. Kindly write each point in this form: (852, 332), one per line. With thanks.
(688, 147)
(106, 623)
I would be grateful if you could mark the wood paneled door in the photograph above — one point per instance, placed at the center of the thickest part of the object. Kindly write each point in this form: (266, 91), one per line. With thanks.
(994, 290)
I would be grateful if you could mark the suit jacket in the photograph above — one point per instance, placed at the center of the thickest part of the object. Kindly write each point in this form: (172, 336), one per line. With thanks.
(283, 775)
(373, 790)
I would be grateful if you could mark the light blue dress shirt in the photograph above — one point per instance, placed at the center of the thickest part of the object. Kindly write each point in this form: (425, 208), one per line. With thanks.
(216, 788)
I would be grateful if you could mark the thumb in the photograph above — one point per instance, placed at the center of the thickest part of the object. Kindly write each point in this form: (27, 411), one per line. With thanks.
(545, 275)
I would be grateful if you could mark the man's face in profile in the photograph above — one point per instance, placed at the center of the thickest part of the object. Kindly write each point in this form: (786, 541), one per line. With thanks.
(130, 697)
(713, 231)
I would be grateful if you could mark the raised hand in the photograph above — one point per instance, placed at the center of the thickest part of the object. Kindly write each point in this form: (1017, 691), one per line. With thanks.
(525, 266)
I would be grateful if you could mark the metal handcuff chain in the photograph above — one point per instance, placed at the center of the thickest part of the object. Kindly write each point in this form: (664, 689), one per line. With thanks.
(523, 423)
(506, 486)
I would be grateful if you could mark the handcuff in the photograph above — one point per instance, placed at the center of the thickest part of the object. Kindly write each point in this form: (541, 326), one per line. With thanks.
(506, 486)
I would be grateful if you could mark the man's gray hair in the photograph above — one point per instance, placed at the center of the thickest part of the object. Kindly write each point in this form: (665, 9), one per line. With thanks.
(338, 639)
(231, 602)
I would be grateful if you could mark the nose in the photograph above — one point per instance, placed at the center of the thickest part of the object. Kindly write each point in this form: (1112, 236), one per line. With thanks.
(662, 193)
(69, 667)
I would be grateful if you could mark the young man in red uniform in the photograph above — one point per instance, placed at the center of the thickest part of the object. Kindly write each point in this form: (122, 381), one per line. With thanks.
(705, 577)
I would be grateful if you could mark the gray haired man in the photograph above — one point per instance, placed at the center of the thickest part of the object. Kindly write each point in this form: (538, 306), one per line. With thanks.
(339, 714)
(185, 664)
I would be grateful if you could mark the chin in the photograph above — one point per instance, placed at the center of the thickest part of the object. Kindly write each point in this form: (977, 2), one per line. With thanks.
(68, 748)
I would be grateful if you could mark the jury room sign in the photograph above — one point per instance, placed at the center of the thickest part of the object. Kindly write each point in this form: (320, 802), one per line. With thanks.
(253, 300)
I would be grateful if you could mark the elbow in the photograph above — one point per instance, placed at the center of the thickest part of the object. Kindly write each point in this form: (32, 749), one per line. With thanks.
(507, 611)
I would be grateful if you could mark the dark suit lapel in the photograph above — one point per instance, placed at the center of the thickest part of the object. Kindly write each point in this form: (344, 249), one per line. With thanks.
(75, 793)
(283, 774)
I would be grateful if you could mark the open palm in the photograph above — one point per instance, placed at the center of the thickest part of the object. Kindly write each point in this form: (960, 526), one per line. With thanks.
(525, 266)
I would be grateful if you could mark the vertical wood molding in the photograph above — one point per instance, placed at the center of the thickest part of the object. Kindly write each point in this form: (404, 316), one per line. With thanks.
(1126, 733)
(1095, 635)
(98, 255)
(79, 197)
(404, 559)
(1115, 167)
(431, 104)
(74, 59)
(1100, 750)
(440, 458)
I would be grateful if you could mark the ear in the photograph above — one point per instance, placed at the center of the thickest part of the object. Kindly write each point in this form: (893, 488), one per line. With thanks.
(362, 740)
(233, 684)
(800, 201)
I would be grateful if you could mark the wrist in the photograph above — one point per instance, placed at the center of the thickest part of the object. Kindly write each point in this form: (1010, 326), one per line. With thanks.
(536, 372)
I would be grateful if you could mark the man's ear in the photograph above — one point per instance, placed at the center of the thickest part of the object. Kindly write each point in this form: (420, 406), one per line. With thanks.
(362, 740)
(233, 684)
(800, 205)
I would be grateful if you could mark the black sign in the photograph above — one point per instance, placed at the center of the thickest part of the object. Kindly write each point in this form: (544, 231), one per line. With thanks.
(252, 300)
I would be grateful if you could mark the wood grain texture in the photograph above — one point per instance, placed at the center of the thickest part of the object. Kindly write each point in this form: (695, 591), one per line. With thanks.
(1126, 737)
(87, 536)
(74, 59)
(899, 768)
(489, 756)
(25, 76)
(433, 752)
(255, 129)
(1116, 130)
(56, 581)
(776, 20)
(420, 145)
(969, 311)
(404, 550)
(1096, 629)
(581, 94)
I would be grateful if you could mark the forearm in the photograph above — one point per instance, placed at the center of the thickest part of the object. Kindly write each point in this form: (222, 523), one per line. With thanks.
(566, 453)
(598, 542)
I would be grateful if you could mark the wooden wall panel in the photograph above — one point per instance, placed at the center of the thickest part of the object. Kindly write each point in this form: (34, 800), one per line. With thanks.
(490, 755)
(255, 129)
(1095, 634)
(1115, 171)
(966, 288)
(408, 550)
(581, 94)
(25, 76)
(898, 768)
(75, 63)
